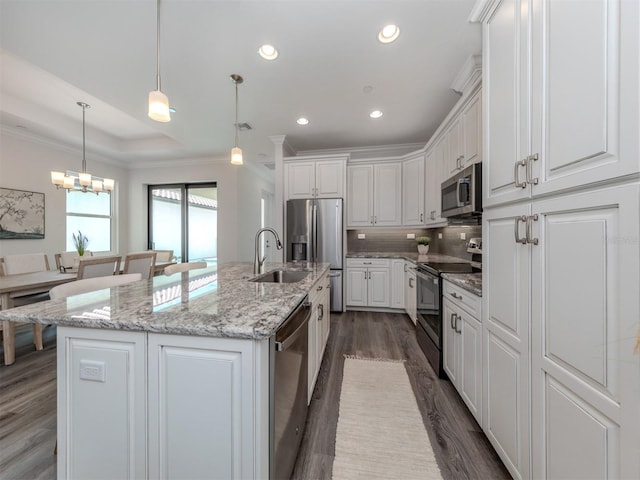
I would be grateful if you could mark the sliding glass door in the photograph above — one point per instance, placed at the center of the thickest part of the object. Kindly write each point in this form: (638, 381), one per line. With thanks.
(184, 218)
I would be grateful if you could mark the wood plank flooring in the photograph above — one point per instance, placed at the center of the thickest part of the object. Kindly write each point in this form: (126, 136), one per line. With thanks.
(460, 446)
(28, 404)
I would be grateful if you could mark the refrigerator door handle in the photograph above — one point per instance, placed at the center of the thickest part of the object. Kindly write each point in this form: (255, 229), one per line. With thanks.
(314, 233)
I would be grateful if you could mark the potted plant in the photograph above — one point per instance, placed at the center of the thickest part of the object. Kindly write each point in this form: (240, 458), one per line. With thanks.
(80, 241)
(423, 245)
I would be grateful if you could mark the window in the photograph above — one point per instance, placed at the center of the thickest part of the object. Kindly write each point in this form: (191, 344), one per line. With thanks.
(89, 213)
(184, 218)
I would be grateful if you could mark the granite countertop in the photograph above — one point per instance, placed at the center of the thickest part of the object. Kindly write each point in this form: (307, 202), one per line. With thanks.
(217, 301)
(471, 282)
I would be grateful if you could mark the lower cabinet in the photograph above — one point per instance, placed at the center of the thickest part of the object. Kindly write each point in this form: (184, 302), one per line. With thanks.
(368, 283)
(397, 284)
(319, 327)
(145, 405)
(462, 334)
(411, 299)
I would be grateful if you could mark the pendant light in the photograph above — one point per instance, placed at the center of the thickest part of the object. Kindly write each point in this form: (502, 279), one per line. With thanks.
(236, 152)
(87, 182)
(158, 101)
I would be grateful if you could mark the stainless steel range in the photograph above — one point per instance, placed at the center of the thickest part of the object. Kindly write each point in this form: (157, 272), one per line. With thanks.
(429, 305)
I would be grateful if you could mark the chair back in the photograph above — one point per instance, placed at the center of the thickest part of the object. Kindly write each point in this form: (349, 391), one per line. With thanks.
(183, 267)
(70, 259)
(143, 263)
(91, 284)
(24, 263)
(98, 266)
(163, 255)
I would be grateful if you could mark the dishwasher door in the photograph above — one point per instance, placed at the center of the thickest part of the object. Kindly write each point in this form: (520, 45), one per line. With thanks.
(289, 390)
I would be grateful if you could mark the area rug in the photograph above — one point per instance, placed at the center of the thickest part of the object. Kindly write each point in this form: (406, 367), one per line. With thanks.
(380, 434)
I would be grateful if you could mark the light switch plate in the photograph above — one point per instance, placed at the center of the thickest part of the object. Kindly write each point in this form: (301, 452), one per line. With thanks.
(463, 236)
(361, 236)
(411, 236)
(439, 236)
(93, 371)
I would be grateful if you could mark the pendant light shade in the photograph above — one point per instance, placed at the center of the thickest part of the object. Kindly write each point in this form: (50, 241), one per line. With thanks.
(236, 156)
(236, 152)
(158, 101)
(86, 181)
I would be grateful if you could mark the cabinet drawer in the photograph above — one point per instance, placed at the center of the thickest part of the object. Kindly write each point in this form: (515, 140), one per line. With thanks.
(319, 288)
(367, 262)
(463, 298)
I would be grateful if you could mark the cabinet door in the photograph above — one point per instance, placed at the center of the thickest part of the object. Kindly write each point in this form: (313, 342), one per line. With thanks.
(506, 325)
(585, 311)
(357, 287)
(470, 381)
(330, 178)
(584, 92)
(412, 303)
(455, 137)
(413, 186)
(506, 115)
(360, 195)
(312, 355)
(451, 342)
(387, 202)
(397, 284)
(378, 287)
(299, 179)
(472, 133)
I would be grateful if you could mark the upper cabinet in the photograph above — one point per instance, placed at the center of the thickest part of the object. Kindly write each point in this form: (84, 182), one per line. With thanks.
(315, 177)
(561, 98)
(464, 137)
(374, 195)
(413, 191)
(434, 168)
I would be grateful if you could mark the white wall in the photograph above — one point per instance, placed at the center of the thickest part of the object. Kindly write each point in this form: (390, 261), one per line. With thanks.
(239, 191)
(26, 163)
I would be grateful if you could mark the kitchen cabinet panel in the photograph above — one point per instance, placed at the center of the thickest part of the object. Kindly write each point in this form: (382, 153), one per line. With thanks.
(411, 299)
(378, 288)
(314, 178)
(360, 195)
(330, 175)
(472, 132)
(413, 191)
(397, 284)
(300, 179)
(434, 167)
(374, 195)
(357, 287)
(368, 282)
(318, 330)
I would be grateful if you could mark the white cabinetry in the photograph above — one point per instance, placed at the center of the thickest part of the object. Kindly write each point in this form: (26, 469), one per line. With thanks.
(368, 282)
(161, 406)
(374, 195)
(464, 137)
(434, 166)
(560, 299)
(413, 191)
(318, 331)
(411, 299)
(462, 353)
(397, 283)
(309, 177)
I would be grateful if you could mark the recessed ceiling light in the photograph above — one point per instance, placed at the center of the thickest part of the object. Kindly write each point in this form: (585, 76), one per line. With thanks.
(268, 52)
(302, 121)
(376, 114)
(388, 33)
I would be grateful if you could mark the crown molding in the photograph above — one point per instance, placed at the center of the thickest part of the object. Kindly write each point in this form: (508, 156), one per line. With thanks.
(482, 10)
(381, 152)
(469, 76)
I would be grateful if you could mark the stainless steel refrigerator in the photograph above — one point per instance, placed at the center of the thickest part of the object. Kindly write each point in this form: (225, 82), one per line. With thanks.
(315, 234)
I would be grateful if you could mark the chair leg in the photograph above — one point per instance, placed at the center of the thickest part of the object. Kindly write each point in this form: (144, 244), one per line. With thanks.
(37, 336)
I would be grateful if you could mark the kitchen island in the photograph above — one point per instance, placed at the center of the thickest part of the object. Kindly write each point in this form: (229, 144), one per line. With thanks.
(169, 377)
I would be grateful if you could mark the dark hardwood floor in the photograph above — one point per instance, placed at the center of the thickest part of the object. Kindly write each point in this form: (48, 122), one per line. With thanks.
(460, 446)
(28, 404)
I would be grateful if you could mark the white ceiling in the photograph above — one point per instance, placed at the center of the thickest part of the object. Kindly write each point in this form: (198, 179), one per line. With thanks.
(103, 52)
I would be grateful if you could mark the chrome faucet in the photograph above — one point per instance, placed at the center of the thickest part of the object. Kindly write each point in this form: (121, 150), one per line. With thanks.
(258, 265)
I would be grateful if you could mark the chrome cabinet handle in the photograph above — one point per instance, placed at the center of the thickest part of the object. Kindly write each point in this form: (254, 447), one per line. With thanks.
(456, 324)
(530, 159)
(454, 295)
(452, 321)
(519, 239)
(433, 214)
(319, 288)
(422, 217)
(405, 267)
(366, 263)
(530, 220)
(371, 221)
(411, 283)
(321, 311)
(516, 173)
(375, 219)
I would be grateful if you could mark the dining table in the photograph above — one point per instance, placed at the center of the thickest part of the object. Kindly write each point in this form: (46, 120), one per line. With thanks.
(20, 284)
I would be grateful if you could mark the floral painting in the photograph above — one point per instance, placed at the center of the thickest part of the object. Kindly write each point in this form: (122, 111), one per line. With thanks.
(21, 214)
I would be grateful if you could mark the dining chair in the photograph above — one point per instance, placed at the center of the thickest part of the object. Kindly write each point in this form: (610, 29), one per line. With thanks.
(69, 260)
(163, 255)
(91, 284)
(143, 263)
(26, 263)
(183, 267)
(101, 266)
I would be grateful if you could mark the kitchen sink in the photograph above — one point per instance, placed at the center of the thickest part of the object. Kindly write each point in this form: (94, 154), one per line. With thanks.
(280, 276)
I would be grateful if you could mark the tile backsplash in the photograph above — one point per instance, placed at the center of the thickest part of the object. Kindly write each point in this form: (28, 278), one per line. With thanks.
(395, 240)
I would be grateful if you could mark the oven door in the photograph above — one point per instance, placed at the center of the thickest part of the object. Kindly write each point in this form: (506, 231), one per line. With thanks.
(428, 304)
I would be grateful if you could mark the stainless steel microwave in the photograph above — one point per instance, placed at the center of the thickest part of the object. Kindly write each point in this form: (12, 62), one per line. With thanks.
(462, 194)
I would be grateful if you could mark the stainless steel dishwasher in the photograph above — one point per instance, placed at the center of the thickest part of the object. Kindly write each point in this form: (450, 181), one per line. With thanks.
(288, 392)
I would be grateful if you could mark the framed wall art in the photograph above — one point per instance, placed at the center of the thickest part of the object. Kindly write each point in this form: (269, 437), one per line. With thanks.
(21, 214)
